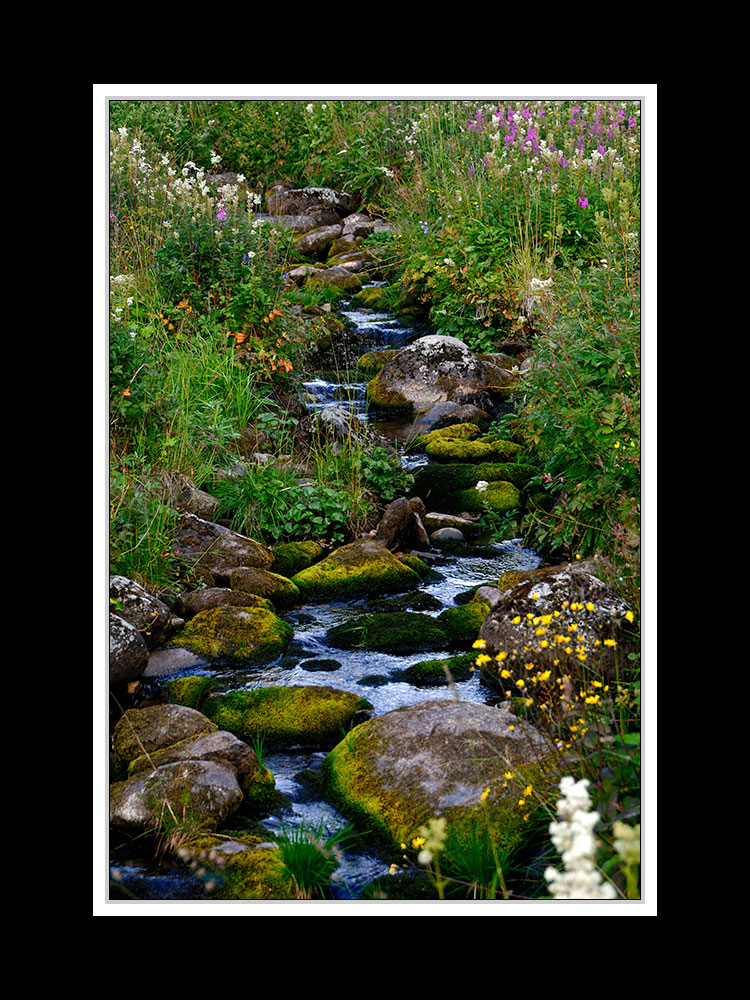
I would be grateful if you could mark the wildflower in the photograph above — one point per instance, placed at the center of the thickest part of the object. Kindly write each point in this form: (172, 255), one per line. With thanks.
(478, 644)
(482, 658)
(485, 793)
(610, 642)
(583, 201)
(517, 620)
(481, 486)
(629, 615)
(628, 842)
(572, 835)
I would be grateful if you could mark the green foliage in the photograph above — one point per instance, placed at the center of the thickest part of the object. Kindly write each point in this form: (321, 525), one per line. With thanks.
(385, 475)
(310, 855)
(582, 416)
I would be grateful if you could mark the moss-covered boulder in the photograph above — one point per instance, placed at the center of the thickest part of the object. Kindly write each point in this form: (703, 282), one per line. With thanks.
(246, 866)
(394, 632)
(263, 583)
(462, 624)
(241, 635)
(313, 716)
(371, 297)
(193, 602)
(496, 497)
(436, 758)
(447, 487)
(355, 570)
(291, 557)
(432, 673)
(452, 448)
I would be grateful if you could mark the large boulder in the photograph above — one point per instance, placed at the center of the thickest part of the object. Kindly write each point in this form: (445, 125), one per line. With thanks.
(318, 241)
(217, 550)
(435, 758)
(401, 526)
(355, 570)
(284, 200)
(262, 583)
(436, 369)
(559, 618)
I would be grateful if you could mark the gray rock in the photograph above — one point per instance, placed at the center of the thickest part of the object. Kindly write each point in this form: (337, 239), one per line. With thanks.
(216, 549)
(142, 610)
(128, 652)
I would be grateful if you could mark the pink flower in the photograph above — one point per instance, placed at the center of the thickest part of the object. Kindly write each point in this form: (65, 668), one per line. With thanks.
(583, 201)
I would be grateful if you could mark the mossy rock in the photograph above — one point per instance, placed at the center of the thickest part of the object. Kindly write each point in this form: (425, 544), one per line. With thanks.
(454, 449)
(359, 569)
(419, 566)
(439, 485)
(463, 623)
(381, 397)
(498, 497)
(291, 557)
(430, 673)
(146, 730)
(370, 364)
(261, 582)
(313, 716)
(247, 867)
(190, 691)
(393, 773)
(372, 297)
(238, 635)
(390, 632)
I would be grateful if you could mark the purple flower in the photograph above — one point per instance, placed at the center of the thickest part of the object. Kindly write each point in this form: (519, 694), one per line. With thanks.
(583, 201)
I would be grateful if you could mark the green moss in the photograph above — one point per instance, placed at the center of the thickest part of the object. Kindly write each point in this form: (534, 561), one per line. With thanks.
(498, 497)
(441, 483)
(189, 691)
(463, 623)
(255, 873)
(372, 297)
(370, 364)
(286, 716)
(418, 565)
(428, 673)
(291, 557)
(390, 632)
(452, 449)
(379, 397)
(246, 635)
(353, 571)
(511, 577)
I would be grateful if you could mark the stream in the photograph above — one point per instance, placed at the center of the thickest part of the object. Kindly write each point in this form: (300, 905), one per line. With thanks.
(310, 660)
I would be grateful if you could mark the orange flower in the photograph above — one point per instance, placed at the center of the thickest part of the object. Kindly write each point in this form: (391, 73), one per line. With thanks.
(126, 392)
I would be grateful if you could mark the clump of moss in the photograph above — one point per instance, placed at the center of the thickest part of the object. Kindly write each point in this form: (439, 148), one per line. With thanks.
(189, 691)
(370, 364)
(428, 673)
(287, 716)
(292, 557)
(253, 873)
(453, 449)
(497, 497)
(463, 623)
(390, 632)
(246, 635)
(380, 397)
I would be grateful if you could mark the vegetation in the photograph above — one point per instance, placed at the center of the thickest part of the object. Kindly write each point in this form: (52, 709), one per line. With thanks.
(515, 226)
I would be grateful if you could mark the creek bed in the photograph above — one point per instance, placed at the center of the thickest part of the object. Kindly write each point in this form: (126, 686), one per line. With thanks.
(312, 660)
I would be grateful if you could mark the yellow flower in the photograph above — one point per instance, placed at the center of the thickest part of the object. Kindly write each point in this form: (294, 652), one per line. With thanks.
(482, 658)
(508, 774)
(545, 676)
(516, 620)
(418, 842)
(485, 793)
(479, 644)
(520, 683)
(629, 615)
(527, 791)
(500, 657)
(610, 642)
(590, 606)
(505, 674)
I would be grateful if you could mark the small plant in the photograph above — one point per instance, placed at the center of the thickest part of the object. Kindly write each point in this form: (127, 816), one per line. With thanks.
(309, 857)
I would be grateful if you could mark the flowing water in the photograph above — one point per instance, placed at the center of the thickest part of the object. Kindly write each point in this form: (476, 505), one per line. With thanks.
(311, 660)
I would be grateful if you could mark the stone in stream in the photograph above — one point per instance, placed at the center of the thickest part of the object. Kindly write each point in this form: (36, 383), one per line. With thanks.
(443, 758)
(355, 570)
(248, 635)
(128, 652)
(216, 549)
(438, 369)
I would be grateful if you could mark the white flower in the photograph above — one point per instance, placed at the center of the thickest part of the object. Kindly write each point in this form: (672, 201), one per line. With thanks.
(481, 486)
(309, 108)
(573, 836)
(240, 178)
(628, 842)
